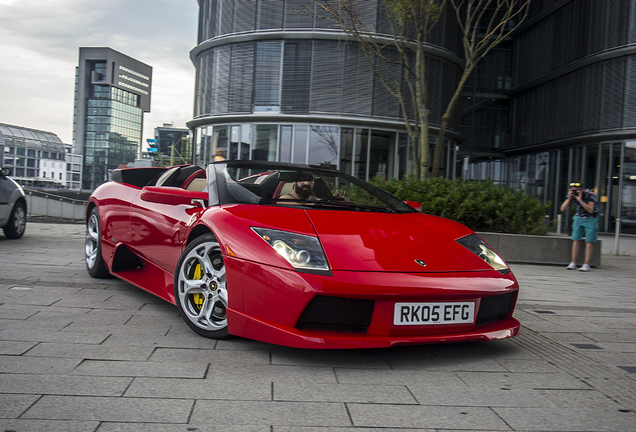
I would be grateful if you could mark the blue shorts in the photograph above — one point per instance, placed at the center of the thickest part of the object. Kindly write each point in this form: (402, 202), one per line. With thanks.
(587, 227)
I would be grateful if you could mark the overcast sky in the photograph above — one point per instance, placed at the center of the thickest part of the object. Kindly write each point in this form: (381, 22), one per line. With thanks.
(39, 50)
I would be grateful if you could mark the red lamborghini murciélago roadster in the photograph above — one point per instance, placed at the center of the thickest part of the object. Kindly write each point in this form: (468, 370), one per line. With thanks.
(297, 255)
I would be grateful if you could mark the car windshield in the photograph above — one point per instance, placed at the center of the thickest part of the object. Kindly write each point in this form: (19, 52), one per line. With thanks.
(267, 183)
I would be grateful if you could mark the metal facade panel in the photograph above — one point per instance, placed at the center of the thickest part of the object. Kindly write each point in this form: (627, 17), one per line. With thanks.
(241, 85)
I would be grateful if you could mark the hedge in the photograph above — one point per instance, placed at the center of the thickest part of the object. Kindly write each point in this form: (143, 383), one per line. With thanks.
(480, 205)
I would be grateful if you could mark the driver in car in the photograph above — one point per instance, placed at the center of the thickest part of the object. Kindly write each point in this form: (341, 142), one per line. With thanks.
(302, 188)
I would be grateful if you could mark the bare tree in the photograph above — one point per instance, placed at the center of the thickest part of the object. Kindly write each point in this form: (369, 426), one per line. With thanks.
(483, 23)
(410, 22)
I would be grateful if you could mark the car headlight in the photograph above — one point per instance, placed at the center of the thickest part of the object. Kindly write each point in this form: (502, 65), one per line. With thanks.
(301, 251)
(479, 247)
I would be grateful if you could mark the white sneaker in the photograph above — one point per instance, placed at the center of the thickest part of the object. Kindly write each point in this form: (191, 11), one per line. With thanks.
(585, 267)
(571, 266)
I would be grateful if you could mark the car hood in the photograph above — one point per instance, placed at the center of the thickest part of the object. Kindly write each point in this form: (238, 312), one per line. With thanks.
(366, 241)
(355, 241)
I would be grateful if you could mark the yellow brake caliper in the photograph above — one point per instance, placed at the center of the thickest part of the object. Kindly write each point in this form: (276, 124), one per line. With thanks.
(197, 299)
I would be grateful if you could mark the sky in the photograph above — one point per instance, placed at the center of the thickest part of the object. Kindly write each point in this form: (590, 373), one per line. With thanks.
(39, 50)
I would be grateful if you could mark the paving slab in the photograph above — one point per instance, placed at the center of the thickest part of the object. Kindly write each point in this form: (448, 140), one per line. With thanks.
(173, 427)
(140, 369)
(93, 352)
(479, 397)
(13, 405)
(215, 389)
(20, 425)
(418, 416)
(217, 357)
(226, 414)
(272, 373)
(422, 377)
(567, 419)
(371, 394)
(15, 348)
(22, 383)
(37, 365)
(75, 408)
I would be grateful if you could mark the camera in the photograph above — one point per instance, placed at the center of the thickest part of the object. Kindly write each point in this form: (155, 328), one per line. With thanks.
(574, 191)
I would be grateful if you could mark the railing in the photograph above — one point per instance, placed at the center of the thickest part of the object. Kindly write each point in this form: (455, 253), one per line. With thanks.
(40, 203)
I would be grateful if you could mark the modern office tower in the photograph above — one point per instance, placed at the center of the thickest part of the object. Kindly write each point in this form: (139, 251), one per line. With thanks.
(173, 143)
(275, 82)
(112, 91)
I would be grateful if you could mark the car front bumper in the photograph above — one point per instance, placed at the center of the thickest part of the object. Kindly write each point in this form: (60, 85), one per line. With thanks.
(271, 304)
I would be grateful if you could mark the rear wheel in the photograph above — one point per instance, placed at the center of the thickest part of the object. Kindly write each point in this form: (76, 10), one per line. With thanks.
(17, 222)
(93, 247)
(200, 288)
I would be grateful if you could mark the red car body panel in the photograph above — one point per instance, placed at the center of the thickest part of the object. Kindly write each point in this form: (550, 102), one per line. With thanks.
(371, 256)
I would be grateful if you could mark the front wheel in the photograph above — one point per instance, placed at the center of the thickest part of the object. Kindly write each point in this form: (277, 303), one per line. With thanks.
(200, 288)
(17, 222)
(93, 247)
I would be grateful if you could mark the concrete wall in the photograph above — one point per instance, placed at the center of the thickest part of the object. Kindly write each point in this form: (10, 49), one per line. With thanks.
(44, 204)
(531, 249)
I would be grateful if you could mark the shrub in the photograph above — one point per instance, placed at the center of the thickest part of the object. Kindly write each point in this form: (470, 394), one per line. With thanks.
(480, 205)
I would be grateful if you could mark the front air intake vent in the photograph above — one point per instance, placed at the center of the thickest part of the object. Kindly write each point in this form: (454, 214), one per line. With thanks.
(495, 308)
(337, 314)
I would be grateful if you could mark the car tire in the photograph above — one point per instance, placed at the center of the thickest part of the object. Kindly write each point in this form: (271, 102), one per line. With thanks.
(200, 288)
(93, 247)
(16, 225)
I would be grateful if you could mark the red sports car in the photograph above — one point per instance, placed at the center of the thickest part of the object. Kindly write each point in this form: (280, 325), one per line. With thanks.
(295, 255)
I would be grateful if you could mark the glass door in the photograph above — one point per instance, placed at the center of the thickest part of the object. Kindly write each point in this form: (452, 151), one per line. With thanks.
(628, 198)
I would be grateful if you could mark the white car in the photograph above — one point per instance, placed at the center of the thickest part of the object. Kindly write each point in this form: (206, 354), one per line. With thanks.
(13, 206)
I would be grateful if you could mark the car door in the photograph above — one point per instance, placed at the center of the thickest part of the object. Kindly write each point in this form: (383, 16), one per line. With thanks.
(5, 196)
(160, 217)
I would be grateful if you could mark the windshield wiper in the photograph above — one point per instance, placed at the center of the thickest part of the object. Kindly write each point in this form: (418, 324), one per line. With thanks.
(280, 200)
(328, 202)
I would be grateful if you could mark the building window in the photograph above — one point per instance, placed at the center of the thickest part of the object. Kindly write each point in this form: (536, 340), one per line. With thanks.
(300, 144)
(284, 153)
(323, 146)
(267, 76)
(265, 142)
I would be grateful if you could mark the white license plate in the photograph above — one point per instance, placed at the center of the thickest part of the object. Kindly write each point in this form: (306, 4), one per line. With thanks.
(433, 313)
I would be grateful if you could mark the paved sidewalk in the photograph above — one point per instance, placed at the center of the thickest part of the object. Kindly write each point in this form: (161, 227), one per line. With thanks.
(79, 354)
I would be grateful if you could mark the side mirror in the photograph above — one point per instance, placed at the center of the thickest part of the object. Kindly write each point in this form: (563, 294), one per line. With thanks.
(417, 206)
(6, 172)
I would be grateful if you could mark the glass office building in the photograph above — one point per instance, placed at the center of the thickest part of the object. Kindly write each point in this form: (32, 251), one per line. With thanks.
(569, 112)
(276, 82)
(112, 91)
(550, 104)
(36, 158)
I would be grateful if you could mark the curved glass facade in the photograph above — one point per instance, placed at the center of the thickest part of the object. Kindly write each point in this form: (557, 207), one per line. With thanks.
(362, 152)
(573, 115)
(302, 90)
